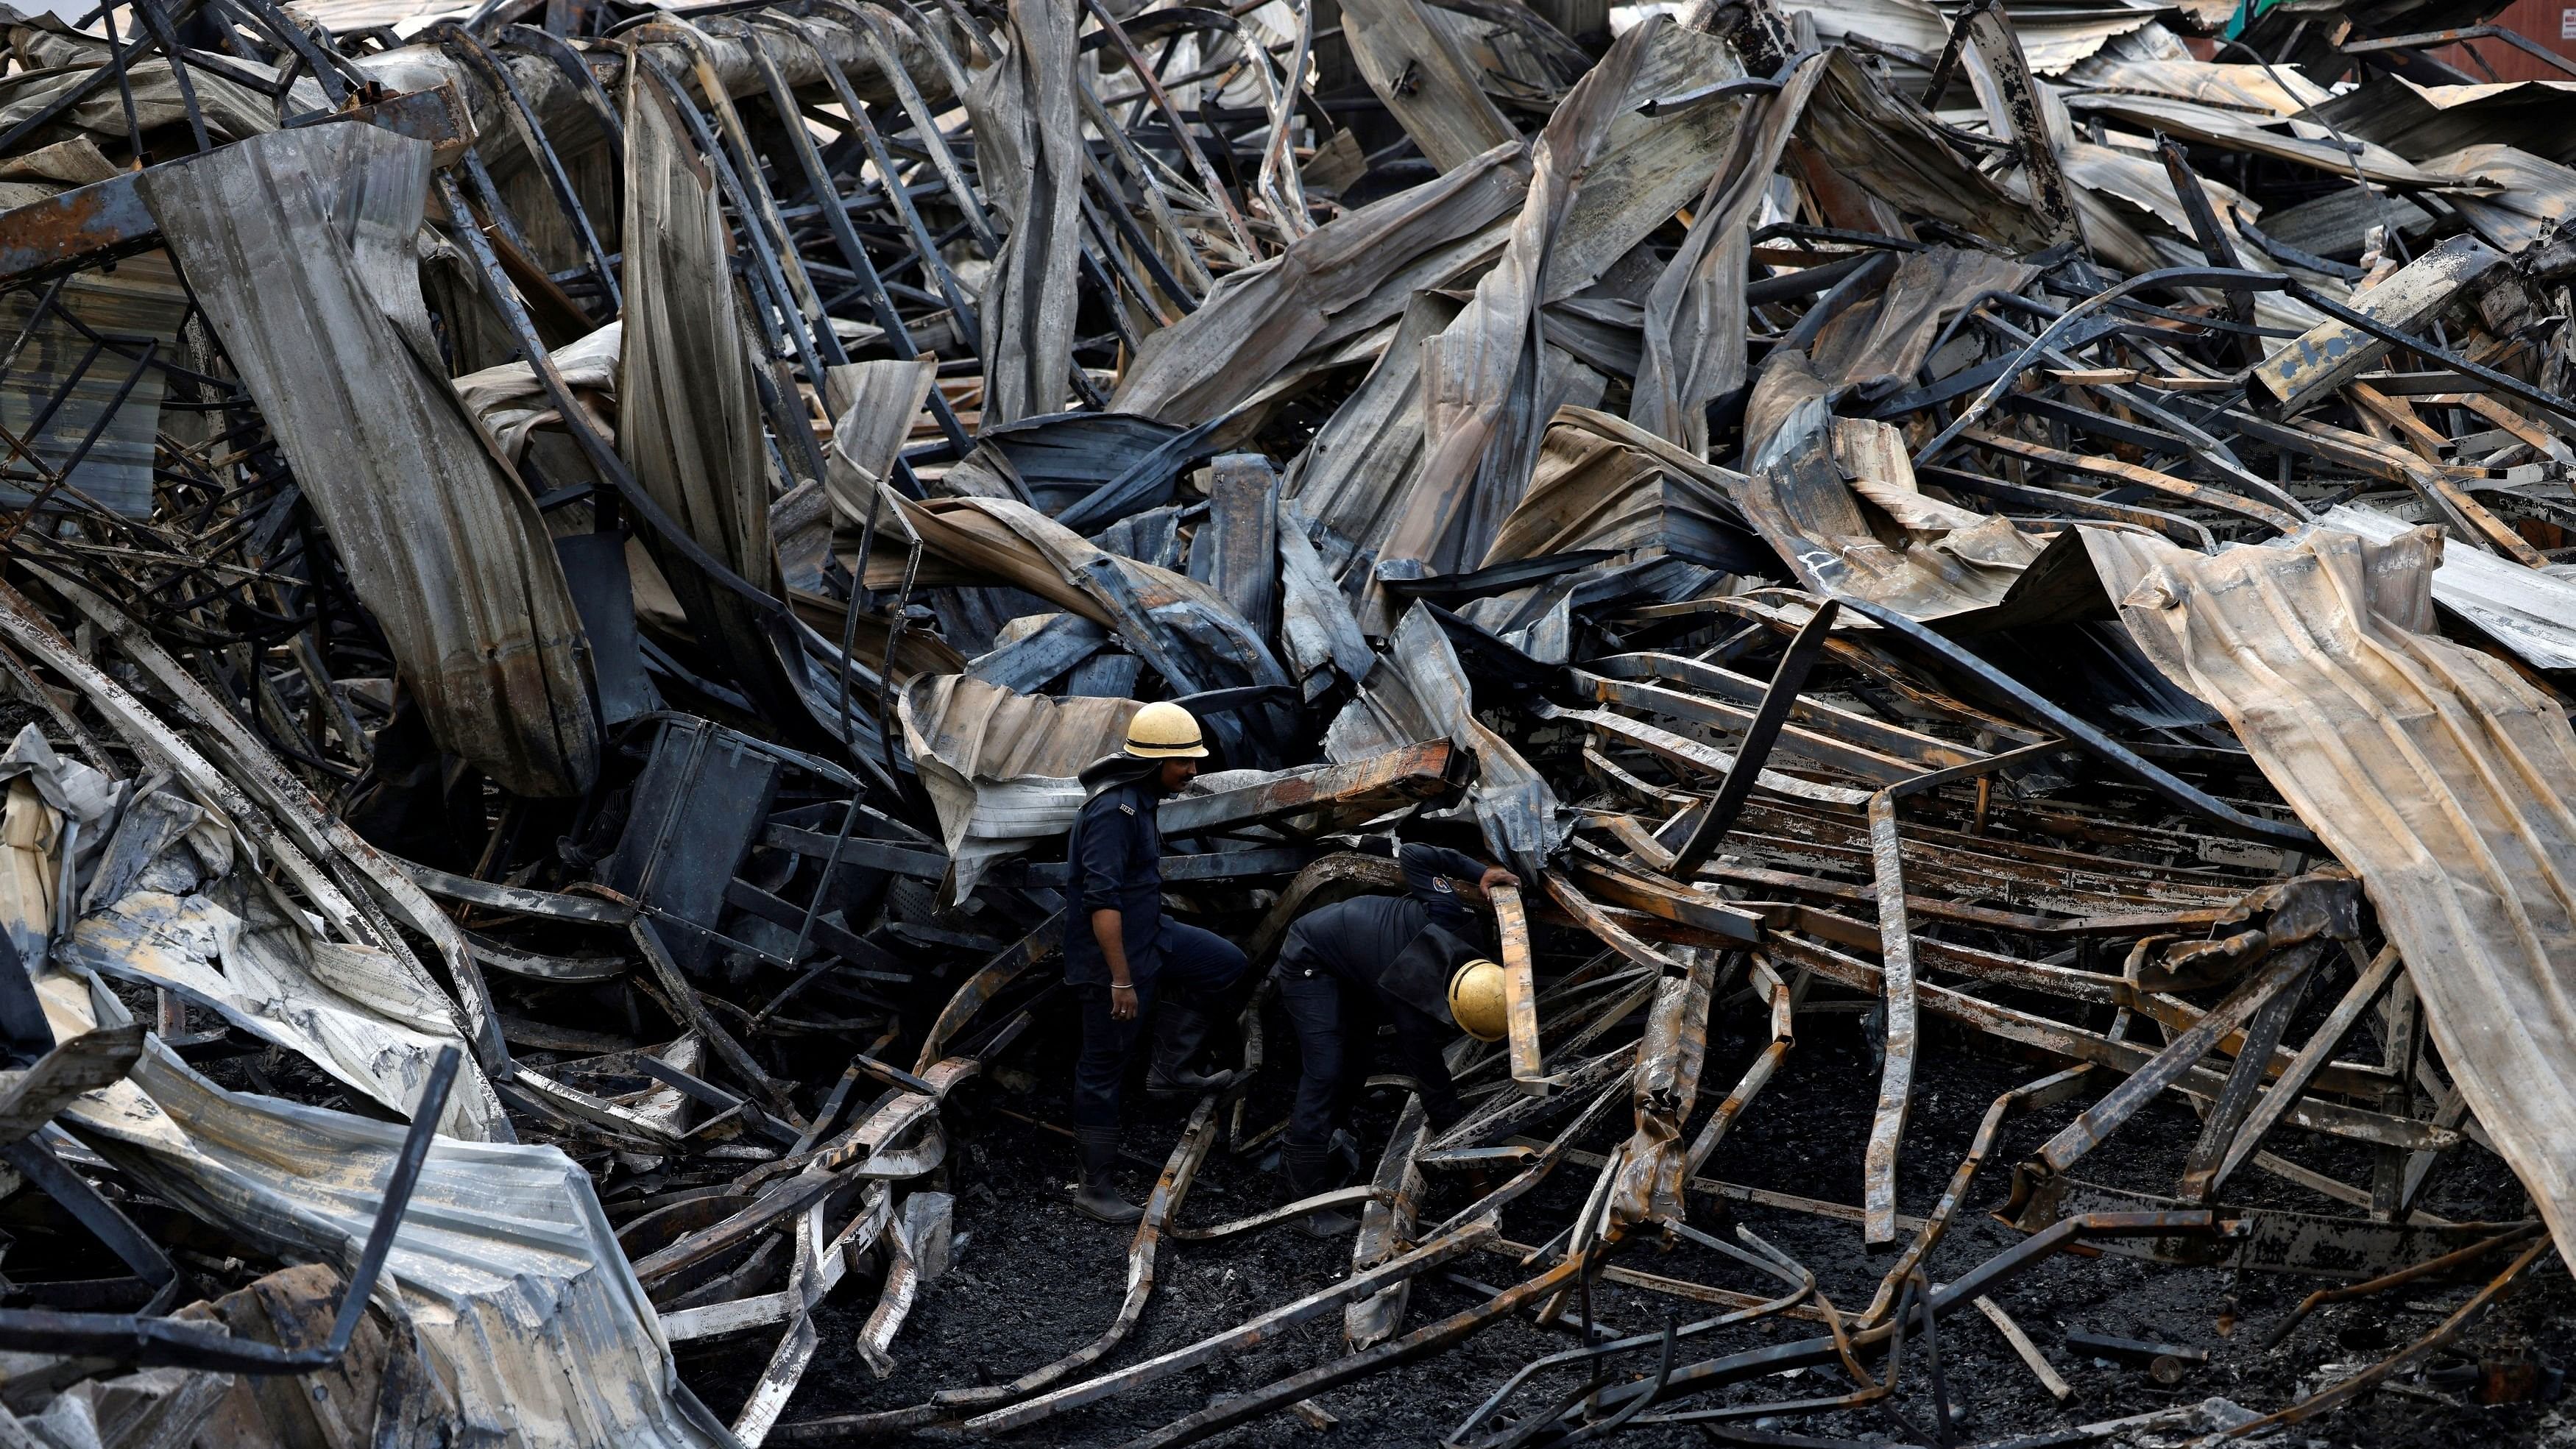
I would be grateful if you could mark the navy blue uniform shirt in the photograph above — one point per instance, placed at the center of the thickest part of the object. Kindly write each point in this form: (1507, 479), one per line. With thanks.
(1116, 852)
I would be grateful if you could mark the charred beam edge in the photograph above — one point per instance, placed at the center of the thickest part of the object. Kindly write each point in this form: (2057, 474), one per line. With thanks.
(1795, 664)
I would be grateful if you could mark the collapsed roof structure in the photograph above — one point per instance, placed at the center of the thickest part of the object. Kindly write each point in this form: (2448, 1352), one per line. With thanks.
(561, 562)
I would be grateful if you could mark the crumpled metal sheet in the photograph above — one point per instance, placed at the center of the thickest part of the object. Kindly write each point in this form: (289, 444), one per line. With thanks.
(504, 1265)
(446, 550)
(2530, 612)
(2432, 770)
(1000, 766)
(1603, 482)
(1418, 692)
(508, 402)
(1028, 136)
(688, 419)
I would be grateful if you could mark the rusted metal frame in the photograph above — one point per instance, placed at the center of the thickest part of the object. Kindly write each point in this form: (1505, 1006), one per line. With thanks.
(1819, 720)
(2143, 477)
(2061, 981)
(895, 1298)
(1853, 654)
(59, 482)
(683, 996)
(744, 182)
(2274, 978)
(149, 16)
(924, 245)
(532, 135)
(818, 1267)
(2434, 483)
(1345, 872)
(1189, 146)
(1934, 907)
(1976, 1282)
(2213, 243)
(2401, 1034)
(1385, 1224)
(1428, 1339)
(2045, 1092)
(815, 341)
(124, 83)
(1112, 210)
(2077, 1044)
(2396, 416)
(1684, 750)
(2187, 532)
(148, 1340)
(1756, 1076)
(973, 994)
(2066, 322)
(1693, 709)
(1943, 69)
(2434, 39)
(1751, 1310)
(2450, 1328)
(1408, 772)
(2433, 353)
(2430, 1267)
(1546, 1162)
(1682, 906)
(331, 70)
(1278, 158)
(2225, 1140)
(1896, 1074)
(328, 862)
(1520, 990)
(1500, 1112)
(81, 90)
(925, 124)
(1790, 677)
(1150, 188)
(596, 450)
(1104, 247)
(2143, 771)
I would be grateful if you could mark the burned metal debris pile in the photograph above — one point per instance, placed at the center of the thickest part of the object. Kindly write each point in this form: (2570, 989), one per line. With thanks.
(562, 563)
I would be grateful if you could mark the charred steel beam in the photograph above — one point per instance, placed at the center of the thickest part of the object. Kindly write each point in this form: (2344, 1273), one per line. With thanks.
(1415, 771)
(1786, 681)
(2118, 756)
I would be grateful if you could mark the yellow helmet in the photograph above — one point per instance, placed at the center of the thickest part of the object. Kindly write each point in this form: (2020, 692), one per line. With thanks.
(1164, 731)
(1476, 1000)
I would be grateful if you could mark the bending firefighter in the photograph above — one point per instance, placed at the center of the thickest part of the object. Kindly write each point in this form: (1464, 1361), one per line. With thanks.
(1123, 959)
(1420, 959)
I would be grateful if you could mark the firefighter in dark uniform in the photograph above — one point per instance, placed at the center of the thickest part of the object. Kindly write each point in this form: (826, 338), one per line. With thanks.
(1420, 960)
(1126, 962)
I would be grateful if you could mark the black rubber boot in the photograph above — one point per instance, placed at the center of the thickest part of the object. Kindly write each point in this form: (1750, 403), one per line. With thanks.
(1098, 1195)
(1308, 1174)
(1179, 1032)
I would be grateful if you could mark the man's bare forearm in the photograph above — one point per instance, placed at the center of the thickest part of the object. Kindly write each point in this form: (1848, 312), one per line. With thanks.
(1109, 928)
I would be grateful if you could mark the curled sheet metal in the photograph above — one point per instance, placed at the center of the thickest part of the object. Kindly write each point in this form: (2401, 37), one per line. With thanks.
(445, 547)
(2432, 770)
(504, 1265)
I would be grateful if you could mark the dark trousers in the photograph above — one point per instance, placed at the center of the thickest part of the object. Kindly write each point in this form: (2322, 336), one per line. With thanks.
(1334, 1029)
(1196, 967)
